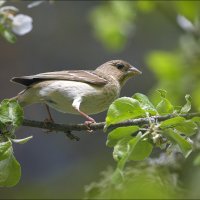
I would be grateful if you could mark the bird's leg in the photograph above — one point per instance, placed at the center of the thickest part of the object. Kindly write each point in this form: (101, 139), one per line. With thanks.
(88, 122)
(76, 105)
(49, 119)
(90, 119)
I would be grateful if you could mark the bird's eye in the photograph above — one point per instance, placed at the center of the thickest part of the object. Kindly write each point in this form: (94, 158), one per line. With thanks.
(119, 66)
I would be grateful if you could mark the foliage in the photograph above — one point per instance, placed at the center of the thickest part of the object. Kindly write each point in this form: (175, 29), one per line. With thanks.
(131, 143)
(175, 131)
(148, 180)
(180, 67)
(137, 174)
(136, 143)
(113, 23)
(11, 117)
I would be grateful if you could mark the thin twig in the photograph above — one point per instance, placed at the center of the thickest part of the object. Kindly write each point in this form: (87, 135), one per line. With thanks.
(68, 128)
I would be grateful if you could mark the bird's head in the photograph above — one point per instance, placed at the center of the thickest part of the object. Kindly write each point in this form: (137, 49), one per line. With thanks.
(119, 70)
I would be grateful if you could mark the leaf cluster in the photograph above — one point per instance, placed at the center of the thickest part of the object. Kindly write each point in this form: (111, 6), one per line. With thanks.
(11, 117)
(180, 67)
(136, 143)
(143, 181)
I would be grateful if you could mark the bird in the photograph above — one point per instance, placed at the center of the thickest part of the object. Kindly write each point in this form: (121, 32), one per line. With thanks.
(83, 92)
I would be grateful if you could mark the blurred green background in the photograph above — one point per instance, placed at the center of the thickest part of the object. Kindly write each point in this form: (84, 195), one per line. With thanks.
(161, 38)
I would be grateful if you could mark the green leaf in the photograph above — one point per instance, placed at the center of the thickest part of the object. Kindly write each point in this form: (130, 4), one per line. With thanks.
(22, 141)
(123, 109)
(10, 170)
(4, 149)
(188, 128)
(182, 125)
(196, 94)
(169, 123)
(145, 103)
(109, 19)
(185, 146)
(177, 109)
(117, 176)
(11, 112)
(120, 133)
(9, 36)
(196, 119)
(146, 6)
(129, 145)
(163, 93)
(167, 66)
(141, 150)
(196, 161)
(2, 126)
(121, 149)
(164, 107)
(187, 107)
(190, 9)
(169, 70)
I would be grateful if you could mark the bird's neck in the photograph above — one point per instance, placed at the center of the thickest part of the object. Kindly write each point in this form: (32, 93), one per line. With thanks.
(109, 77)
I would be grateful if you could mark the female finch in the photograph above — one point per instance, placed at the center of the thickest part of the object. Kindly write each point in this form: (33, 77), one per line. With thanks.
(81, 92)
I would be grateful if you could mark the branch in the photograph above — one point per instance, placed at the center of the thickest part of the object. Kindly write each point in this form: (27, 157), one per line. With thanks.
(68, 128)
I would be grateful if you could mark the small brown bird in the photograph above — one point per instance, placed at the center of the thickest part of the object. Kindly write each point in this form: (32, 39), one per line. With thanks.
(81, 92)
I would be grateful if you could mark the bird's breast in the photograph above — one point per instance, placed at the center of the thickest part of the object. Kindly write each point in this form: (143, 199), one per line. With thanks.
(100, 100)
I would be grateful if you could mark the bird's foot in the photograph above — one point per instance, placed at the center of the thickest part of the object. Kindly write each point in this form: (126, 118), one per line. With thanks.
(71, 136)
(89, 121)
(88, 124)
(49, 120)
(46, 122)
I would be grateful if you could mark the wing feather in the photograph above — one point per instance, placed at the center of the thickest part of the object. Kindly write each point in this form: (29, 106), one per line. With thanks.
(71, 75)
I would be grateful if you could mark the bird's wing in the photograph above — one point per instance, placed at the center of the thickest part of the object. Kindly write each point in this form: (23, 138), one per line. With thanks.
(71, 75)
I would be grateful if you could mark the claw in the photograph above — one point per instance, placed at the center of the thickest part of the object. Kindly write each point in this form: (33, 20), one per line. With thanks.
(46, 121)
(88, 123)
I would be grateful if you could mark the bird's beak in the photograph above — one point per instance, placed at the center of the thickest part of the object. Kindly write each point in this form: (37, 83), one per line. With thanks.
(134, 70)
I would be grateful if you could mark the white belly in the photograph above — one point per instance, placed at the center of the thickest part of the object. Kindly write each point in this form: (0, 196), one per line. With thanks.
(61, 94)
